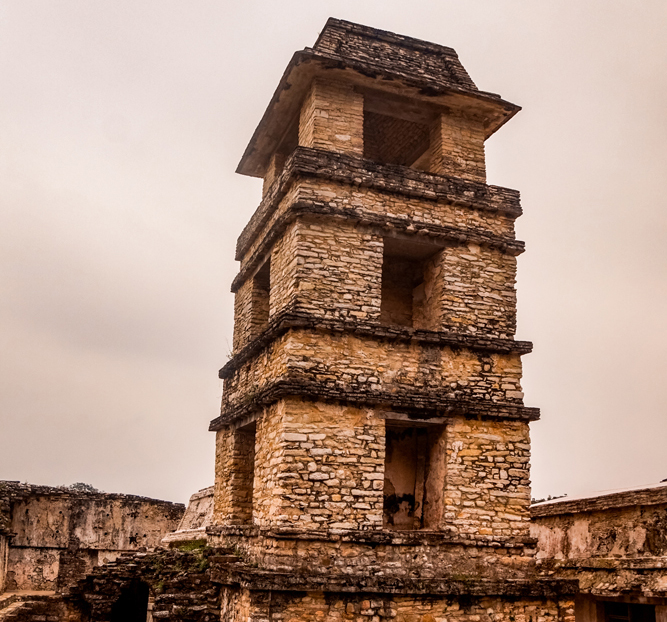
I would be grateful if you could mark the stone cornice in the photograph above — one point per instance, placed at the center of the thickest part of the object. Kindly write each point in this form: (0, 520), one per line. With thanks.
(401, 180)
(372, 538)
(627, 498)
(292, 319)
(264, 580)
(390, 224)
(417, 402)
(609, 564)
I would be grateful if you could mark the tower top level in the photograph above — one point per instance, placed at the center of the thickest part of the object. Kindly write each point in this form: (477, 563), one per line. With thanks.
(413, 78)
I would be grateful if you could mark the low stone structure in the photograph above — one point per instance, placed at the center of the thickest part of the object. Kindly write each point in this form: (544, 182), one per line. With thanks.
(615, 545)
(195, 521)
(52, 537)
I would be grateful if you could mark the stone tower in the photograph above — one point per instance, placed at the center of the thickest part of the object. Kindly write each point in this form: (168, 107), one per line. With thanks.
(373, 438)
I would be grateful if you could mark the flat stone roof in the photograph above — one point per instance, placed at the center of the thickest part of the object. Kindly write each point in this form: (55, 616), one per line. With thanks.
(651, 494)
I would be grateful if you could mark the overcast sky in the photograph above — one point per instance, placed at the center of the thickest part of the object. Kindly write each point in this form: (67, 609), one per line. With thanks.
(121, 124)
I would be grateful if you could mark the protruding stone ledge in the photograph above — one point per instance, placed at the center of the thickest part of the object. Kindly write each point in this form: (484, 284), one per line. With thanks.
(262, 580)
(655, 495)
(613, 564)
(390, 224)
(294, 319)
(401, 180)
(372, 538)
(417, 403)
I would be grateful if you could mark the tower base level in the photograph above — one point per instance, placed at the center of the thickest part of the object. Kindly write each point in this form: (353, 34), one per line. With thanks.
(208, 584)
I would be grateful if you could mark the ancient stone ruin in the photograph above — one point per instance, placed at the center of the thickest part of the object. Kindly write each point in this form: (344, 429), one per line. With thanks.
(372, 449)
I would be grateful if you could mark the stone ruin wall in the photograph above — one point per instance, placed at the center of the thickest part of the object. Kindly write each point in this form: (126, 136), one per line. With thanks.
(614, 544)
(57, 536)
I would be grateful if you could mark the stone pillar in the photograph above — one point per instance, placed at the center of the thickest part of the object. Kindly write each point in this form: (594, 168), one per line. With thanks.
(332, 118)
(276, 164)
(457, 148)
(4, 548)
(234, 475)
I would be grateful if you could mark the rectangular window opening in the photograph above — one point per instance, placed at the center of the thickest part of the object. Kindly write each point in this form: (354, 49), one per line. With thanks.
(628, 612)
(243, 473)
(392, 140)
(414, 476)
(407, 293)
(261, 292)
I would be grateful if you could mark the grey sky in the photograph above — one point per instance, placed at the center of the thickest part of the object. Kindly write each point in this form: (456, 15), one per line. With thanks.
(121, 124)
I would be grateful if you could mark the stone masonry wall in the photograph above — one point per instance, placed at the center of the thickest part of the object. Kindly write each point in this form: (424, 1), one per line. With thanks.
(313, 607)
(457, 148)
(243, 328)
(367, 364)
(339, 270)
(284, 271)
(333, 270)
(319, 466)
(479, 295)
(234, 475)
(4, 550)
(332, 118)
(487, 489)
(615, 545)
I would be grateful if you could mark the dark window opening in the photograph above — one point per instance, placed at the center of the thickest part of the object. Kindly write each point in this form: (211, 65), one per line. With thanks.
(414, 476)
(408, 297)
(628, 612)
(391, 140)
(132, 604)
(243, 473)
(261, 290)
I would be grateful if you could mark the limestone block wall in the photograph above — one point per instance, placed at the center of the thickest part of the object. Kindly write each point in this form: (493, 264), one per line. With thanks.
(332, 118)
(243, 328)
(234, 476)
(284, 271)
(457, 148)
(339, 270)
(334, 270)
(319, 466)
(363, 363)
(322, 466)
(479, 295)
(487, 488)
(316, 606)
(415, 609)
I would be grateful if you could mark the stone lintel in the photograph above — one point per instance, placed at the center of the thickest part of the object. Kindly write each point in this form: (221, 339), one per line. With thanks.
(389, 225)
(390, 178)
(642, 496)
(299, 320)
(421, 404)
(435, 87)
(264, 580)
